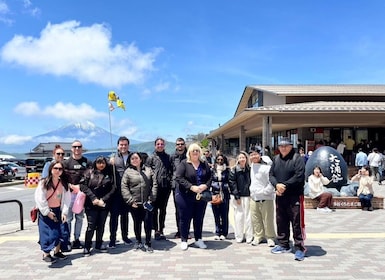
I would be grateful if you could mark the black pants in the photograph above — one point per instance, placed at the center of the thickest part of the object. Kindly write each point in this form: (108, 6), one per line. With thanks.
(160, 206)
(139, 216)
(289, 210)
(176, 213)
(96, 220)
(190, 209)
(118, 209)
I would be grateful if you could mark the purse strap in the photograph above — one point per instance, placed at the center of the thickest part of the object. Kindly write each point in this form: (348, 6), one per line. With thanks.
(54, 190)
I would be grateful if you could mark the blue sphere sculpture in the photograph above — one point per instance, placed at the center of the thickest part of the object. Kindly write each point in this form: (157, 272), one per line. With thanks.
(332, 164)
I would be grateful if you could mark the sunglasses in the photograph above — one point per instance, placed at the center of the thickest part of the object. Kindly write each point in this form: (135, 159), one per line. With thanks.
(220, 159)
(60, 154)
(179, 144)
(77, 147)
(58, 168)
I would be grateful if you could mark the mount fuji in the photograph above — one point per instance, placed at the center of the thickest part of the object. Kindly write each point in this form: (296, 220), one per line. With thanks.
(91, 136)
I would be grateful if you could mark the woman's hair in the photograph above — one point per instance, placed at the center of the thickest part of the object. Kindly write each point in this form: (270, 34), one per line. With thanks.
(192, 147)
(57, 147)
(367, 168)
(247, 158)
(48, 181)
(99, 159)
(317, 167)
(139, 155)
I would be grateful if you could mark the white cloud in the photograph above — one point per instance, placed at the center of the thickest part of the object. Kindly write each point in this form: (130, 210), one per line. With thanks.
(14, 139)
(64, 111)
(4, 13)
(83, 53)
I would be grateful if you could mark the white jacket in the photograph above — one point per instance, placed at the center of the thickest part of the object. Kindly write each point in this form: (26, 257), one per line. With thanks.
(260, 186)
(42, 203)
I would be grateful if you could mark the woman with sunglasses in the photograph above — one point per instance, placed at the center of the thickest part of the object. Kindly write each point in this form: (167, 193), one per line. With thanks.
(52, 197)
(220, 183)
(193, 175)
(57, 155)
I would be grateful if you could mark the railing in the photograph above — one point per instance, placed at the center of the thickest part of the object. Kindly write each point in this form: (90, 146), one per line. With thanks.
(20, 209)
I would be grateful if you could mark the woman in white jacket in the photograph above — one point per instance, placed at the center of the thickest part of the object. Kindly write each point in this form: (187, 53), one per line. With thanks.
(316, 182)
(52, 197)
(262, 195)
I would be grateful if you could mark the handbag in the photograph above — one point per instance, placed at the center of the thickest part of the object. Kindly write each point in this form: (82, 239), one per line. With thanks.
(33, 213)
(78, 205)
(206, 195)
(217, 198)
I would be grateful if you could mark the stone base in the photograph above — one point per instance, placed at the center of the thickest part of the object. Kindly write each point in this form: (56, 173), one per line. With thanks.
(349, 202)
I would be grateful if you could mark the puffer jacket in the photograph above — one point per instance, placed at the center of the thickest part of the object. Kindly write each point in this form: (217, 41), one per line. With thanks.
(139, 186)
(239, 181)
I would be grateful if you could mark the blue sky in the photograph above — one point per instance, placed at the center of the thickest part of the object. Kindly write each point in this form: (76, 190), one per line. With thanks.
(179, 66)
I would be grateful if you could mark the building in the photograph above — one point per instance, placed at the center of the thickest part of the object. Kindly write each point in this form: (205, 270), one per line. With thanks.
(45, 150)
(311, 113)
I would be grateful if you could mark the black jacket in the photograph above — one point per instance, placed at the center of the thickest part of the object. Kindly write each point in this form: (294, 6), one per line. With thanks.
(160, 163)
(239, 181)
(186, 176)
(290, 171)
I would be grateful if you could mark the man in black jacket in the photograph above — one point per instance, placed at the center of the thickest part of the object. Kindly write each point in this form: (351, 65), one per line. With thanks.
(119, 208)
(287, 175)
(160, 163)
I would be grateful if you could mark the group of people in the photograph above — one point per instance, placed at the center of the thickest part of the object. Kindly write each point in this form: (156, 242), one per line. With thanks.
(132, 182)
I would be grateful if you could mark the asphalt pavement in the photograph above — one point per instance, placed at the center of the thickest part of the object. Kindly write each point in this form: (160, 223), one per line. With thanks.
(345, 244)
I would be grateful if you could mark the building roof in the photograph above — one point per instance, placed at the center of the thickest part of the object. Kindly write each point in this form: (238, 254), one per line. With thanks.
(310, 90)
(323, 106)
(325, 90)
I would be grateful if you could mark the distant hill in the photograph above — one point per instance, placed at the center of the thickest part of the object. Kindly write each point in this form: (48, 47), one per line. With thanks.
(148, 147)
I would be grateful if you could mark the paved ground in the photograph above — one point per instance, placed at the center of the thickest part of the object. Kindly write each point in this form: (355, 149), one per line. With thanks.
(346, 244)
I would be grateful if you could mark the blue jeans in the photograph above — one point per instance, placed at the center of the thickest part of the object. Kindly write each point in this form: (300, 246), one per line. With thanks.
(78, 220)
(366, 200)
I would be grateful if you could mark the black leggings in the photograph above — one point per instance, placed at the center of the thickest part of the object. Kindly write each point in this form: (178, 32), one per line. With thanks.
(139, 216)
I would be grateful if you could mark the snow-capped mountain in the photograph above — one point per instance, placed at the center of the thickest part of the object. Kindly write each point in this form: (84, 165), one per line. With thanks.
(91, 136)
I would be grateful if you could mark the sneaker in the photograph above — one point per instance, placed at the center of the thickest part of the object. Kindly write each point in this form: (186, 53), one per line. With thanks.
(86, 252)
(199, 243)
(324, 210)
(112, 245)
(127, 241)
(49, 259)
(76, 244)
(138, 246)
(249, 241)
(216, 237)
(299, 255)
(183, 245)
(162, 237)
(60, 255)
(270, 242)
(255, 242)
(278, 249)
(148, 248)
(66, 249)
(102, 249)
(370, 208)
(222, 237)
(157, 235)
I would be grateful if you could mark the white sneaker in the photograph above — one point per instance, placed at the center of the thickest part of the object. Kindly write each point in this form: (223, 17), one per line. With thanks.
(222, 237)
(324, 210)
(200, 244)
(270, 243)
(183, 245)
(216, 237)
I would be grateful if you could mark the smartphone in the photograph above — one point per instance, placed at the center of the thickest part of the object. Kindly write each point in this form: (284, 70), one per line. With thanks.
(148, 206)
